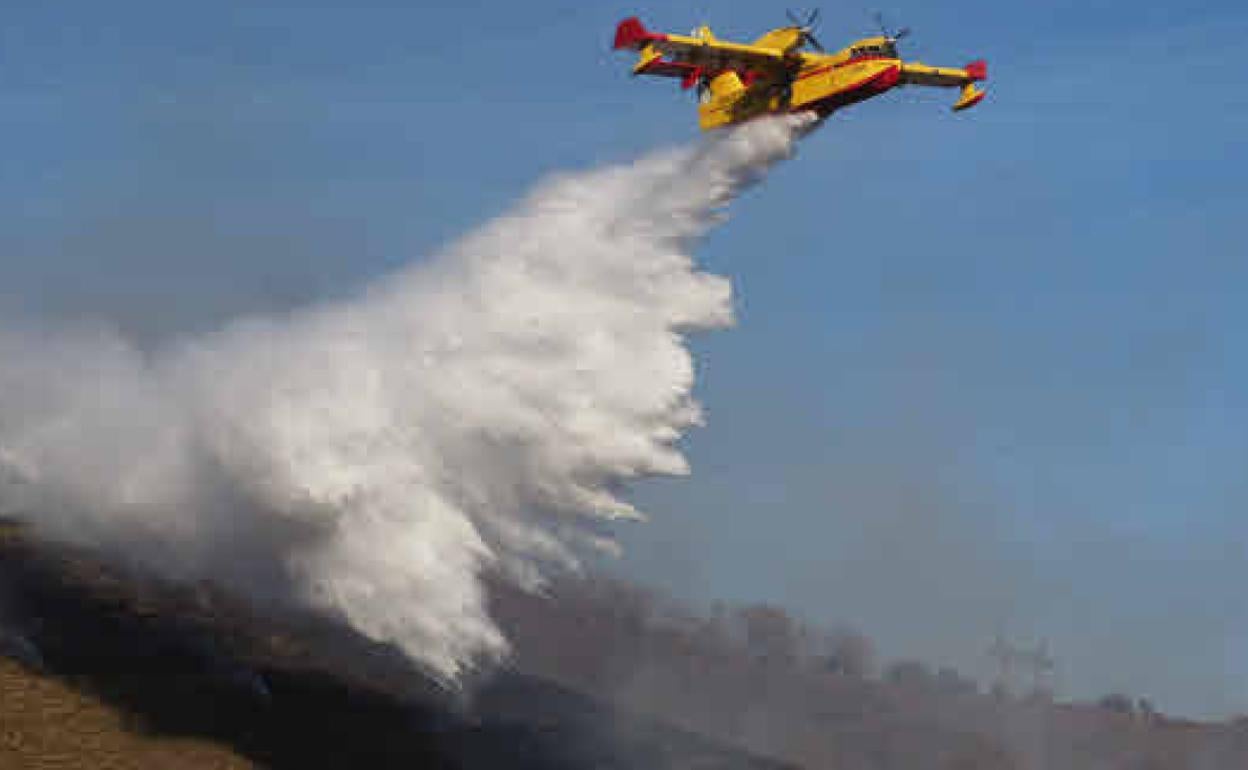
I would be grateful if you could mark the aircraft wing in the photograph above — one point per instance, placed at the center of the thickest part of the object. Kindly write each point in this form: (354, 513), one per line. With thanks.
(685, 57)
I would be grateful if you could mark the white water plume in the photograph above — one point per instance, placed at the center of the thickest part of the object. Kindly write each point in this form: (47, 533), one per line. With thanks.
(372, 458)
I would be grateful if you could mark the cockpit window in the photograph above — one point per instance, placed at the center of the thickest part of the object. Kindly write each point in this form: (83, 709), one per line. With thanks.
(883, 49)
(874, 50)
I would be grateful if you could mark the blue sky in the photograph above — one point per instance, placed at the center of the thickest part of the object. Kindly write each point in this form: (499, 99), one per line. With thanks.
(988, 372)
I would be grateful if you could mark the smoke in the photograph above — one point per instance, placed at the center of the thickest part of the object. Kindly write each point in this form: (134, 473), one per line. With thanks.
(373, 458)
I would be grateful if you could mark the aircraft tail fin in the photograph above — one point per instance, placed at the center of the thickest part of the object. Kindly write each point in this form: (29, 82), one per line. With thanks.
(631, 33)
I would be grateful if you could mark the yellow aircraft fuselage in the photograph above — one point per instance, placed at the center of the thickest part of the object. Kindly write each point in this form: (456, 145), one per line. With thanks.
(771, 75)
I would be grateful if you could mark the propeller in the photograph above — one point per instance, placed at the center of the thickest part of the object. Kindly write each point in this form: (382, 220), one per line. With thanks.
(904, 32)
(806, 28)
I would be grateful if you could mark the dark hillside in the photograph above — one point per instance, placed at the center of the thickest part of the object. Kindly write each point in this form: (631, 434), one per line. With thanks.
(124, 672)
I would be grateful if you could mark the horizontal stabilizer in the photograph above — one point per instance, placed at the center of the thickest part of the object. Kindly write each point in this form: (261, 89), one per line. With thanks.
(653, 63)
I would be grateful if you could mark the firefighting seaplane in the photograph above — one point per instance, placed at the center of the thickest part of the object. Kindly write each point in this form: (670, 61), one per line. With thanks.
(775, 74)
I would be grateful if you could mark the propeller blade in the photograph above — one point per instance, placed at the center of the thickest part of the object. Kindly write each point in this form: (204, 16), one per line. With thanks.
(814, 43)
(902, 33)
(879, 22)
(814, 18)
(792, 17)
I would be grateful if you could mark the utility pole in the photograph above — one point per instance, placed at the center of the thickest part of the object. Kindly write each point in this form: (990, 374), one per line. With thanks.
(1003, 653)
(1042, 666)
(1014, 660)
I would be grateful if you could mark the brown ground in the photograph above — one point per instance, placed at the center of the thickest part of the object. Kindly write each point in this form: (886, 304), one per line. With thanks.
(45, 724)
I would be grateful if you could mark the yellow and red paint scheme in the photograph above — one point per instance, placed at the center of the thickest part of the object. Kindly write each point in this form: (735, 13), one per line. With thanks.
(771, 75)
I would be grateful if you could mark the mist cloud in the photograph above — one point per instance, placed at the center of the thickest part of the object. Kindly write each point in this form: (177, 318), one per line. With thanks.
(372, 457)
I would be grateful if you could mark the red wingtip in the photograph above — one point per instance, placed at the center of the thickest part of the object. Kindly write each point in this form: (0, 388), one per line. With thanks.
(977, 70)
(631, 33)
